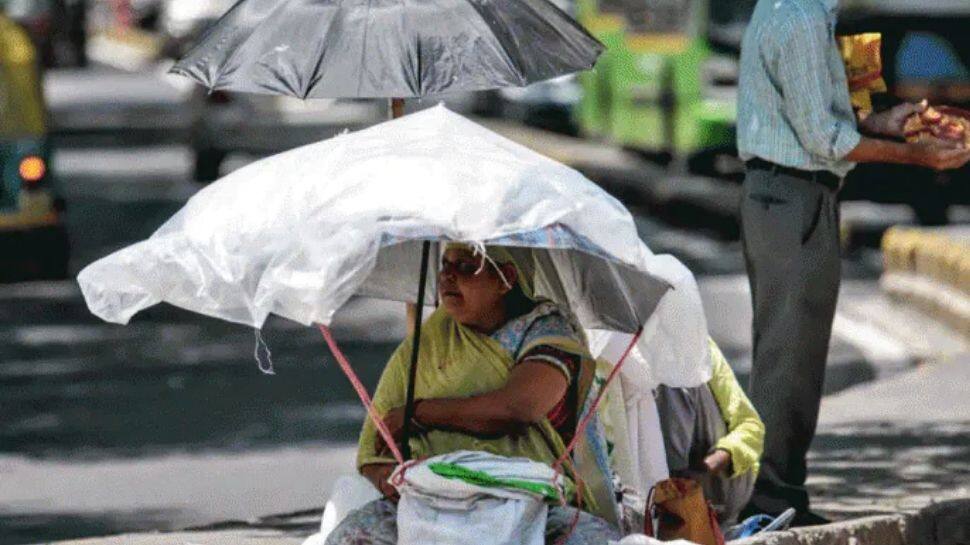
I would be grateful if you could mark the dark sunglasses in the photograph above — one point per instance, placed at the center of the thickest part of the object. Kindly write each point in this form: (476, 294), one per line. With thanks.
(463, 268)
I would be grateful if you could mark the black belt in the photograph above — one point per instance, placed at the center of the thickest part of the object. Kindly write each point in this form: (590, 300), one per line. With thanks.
(823, 177)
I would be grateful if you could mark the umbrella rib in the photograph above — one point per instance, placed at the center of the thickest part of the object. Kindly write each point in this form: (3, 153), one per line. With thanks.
(316, 76)
(235, 52)
(516, 66)
(363, 43)
(416, 81)
(559, 32)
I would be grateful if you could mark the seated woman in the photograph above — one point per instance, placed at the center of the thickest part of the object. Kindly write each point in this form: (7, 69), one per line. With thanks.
(714, 434)
(498, 371)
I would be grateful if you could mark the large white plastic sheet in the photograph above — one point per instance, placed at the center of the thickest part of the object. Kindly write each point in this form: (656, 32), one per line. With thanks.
(673, 349)
(299, 233)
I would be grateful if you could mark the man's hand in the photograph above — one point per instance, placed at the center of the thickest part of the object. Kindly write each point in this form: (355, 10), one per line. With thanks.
(378, 474)
(891, 122)
(939, 156)
(717, 462)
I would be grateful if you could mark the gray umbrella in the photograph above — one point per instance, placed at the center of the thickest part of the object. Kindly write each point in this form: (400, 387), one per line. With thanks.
(387, 48)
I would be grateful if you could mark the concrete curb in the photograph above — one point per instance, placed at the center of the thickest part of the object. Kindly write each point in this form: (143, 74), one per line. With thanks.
(945, 523)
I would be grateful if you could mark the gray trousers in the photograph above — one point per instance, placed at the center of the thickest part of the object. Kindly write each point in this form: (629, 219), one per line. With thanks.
(692, 424)
(790, 233)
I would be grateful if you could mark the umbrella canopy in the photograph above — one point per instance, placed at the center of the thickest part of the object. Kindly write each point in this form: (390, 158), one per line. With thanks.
(387, 48)
(300, 233)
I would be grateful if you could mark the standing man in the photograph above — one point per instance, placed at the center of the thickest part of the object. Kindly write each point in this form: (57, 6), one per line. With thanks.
(799, 137)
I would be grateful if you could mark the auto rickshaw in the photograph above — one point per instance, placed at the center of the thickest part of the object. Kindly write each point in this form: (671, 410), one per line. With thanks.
(33, 238)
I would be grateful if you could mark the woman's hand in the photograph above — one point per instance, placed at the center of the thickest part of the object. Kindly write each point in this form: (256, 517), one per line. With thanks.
(378, 475)
(394, 421)
(718, 462)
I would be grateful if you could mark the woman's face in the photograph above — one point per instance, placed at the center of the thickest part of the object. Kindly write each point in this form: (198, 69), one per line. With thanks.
(470, 293)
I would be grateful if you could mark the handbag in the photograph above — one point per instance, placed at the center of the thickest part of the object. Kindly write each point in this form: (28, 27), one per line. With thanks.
(682, 512)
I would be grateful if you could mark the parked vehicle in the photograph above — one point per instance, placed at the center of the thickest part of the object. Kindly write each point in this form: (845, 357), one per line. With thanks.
(33, 239)
(667, 85)
(227, 122)
(56, 27)
(262, 125)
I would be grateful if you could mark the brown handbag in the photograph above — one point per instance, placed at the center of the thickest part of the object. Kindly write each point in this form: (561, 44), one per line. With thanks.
(682, 512)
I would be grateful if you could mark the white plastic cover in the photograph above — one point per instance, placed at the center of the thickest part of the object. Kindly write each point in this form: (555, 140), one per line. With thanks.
(299, 233)
(674, 348)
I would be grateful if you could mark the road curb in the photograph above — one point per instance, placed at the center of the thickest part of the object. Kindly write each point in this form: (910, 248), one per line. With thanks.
(945, 523)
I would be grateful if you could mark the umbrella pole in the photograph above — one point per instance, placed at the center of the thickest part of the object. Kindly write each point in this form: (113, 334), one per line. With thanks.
(397, 108)
(415, 348)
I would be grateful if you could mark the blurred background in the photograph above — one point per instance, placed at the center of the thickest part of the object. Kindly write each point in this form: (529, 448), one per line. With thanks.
(168, 422)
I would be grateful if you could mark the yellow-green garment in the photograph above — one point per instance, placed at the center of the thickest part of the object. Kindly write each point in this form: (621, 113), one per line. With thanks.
(456, 362)
(745, 439)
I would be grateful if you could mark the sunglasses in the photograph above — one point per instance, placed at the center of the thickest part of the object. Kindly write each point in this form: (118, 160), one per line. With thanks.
(463, 268)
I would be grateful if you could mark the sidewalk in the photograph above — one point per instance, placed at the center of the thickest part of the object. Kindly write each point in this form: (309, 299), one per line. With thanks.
(896, 445)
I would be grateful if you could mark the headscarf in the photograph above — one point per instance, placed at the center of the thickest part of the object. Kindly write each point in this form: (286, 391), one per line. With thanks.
(497, 256)
(525, 278)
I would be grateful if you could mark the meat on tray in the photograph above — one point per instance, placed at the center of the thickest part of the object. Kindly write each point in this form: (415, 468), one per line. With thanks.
(942, 123)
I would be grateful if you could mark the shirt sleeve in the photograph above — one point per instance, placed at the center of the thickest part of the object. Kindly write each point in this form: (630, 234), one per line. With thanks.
(532, 347)
(745, 439)
(564, 362)
(798, 53)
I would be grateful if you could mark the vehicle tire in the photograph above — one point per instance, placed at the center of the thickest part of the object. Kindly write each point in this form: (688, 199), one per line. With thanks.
(207, 164)
(36, 254)
(55, 262)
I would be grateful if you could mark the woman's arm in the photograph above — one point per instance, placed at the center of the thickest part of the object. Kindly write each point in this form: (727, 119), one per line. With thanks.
(390, 393)
(745, 438)
(533, 389)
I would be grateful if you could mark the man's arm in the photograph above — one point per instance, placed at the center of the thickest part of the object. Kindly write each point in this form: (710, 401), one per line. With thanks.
(929, 155)
(891, 123)
(802, 72)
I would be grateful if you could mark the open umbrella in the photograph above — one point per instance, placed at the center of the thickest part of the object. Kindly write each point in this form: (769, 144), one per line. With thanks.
(387, 49)
(300, 233)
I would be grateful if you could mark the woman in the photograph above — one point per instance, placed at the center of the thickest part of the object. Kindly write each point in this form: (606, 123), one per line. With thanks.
(499, 372)
(712, 433)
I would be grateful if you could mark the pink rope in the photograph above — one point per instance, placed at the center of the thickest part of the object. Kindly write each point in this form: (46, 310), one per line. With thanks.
(581, 428)
(362, 393)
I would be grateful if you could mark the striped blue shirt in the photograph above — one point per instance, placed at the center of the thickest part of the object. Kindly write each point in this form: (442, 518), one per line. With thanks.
(793, 102)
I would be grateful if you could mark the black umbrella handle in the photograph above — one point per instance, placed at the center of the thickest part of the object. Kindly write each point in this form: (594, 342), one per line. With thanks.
(415, 348)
